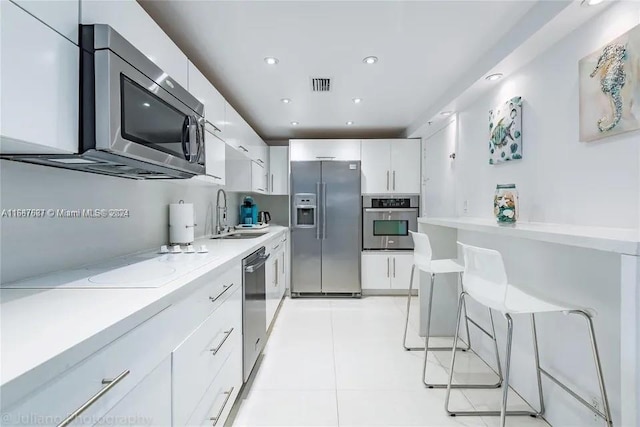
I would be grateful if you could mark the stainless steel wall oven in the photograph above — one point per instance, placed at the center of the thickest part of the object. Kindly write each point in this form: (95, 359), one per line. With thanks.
(388, 220)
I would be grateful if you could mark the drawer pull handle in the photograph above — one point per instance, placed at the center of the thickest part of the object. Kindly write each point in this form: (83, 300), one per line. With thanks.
(226, 288)
(224, 404)
(227, 333)
(109, 384)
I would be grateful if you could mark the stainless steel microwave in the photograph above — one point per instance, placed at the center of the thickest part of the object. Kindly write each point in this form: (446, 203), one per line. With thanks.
(135, 120)
(386, 222)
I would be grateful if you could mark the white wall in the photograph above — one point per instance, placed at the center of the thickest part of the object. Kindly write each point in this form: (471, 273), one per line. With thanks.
(35, 246)
(560, 179)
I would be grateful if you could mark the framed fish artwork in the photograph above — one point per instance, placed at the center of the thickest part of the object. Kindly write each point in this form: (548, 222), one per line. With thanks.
(505, 132)
(610, 88)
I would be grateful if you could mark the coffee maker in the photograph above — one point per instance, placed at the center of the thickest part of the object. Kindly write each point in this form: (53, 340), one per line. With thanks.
(248, 211)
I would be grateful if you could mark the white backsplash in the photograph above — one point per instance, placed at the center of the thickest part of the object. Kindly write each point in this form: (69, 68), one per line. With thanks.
(34, 246)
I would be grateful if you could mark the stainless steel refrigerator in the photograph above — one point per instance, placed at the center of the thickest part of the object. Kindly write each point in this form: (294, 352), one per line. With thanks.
(326, 226)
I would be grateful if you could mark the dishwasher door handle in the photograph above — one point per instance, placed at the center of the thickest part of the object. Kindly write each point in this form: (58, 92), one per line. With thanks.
(253, 267)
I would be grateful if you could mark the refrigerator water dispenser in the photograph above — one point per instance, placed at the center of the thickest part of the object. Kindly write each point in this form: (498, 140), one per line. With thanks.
(305, 210)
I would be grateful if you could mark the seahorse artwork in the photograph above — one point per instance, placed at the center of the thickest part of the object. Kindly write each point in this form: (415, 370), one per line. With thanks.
(613, 78)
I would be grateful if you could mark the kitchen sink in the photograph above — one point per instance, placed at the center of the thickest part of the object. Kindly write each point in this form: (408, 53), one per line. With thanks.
(239, 236)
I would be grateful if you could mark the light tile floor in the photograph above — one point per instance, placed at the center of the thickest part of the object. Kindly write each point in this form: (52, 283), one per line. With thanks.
(340, 362)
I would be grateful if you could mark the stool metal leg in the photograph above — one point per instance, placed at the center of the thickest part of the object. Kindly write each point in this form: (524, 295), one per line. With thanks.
(606, 415)
(406, 322)
(463, 305)
(596, 359)
(536, 355)
(427, 348)
(502, 412)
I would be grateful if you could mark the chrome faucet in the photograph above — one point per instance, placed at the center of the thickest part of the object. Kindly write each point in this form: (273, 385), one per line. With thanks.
(221, 213)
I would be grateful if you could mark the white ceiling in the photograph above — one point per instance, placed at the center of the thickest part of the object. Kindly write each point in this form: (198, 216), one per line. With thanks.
(423, 48)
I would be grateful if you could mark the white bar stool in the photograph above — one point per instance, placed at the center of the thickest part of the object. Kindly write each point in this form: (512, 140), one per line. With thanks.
(485, 281)
(422, 255)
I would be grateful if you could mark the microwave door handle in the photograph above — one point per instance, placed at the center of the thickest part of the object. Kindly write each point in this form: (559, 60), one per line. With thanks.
(183, 137)
(193, 140)
(200, 143)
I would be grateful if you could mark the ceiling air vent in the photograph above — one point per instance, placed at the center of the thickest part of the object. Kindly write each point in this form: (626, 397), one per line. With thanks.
(320, 84)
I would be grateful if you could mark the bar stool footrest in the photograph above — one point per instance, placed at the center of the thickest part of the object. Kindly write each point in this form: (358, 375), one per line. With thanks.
(491, 413)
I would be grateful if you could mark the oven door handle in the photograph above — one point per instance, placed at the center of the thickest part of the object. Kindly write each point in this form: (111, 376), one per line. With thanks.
(391, 210)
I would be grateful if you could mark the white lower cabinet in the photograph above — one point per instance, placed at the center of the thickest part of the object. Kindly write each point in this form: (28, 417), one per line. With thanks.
(148, 404)
(217, 401)
(125, 362)
(276, 277)
(200, 357)
(386, 270)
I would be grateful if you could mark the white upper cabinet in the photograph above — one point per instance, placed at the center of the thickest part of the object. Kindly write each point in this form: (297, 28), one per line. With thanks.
(214, 152)
(39, 102)
(258, 178)
(376, 166)
(405, 166)
(233, 128)
(133, 23)
(205, 92)
(391, 166)
(279, 170)
(61, 15)
(324, 149)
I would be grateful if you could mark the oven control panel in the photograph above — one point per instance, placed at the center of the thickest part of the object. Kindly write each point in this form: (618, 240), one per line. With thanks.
(378, 202)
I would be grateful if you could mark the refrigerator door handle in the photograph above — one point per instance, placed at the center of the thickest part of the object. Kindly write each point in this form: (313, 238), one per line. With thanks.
(324, 211)
(318, 236)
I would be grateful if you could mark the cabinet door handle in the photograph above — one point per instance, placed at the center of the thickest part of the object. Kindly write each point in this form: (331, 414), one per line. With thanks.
(272, 183)
(394, 266)
(109, 384)
(394, 180)
(243, 149)
(387, 266)
(226, 336)
(226, 288)
(326, 157)
(275, 282)
(260, 161)
(387, 180)
(224, 404)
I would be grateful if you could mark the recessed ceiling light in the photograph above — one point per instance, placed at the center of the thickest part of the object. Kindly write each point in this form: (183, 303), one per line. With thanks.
(294, 123)
(493, 77)
(271, 60)
(357, 100)
(146, 104)
(446, 113)
(370, 60)
(285, 100)
(349, 123)
(591, 2)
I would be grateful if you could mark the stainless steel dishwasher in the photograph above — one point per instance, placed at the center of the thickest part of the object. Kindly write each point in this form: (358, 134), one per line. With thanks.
(254, 308)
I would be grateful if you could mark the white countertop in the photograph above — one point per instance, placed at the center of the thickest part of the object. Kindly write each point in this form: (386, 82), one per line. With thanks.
(45, 331)
(619, 240)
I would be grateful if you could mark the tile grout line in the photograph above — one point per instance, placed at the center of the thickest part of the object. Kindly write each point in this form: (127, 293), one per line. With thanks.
(333, 351)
